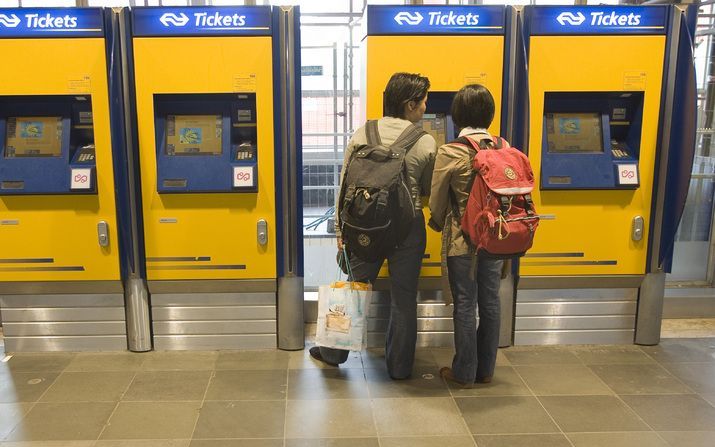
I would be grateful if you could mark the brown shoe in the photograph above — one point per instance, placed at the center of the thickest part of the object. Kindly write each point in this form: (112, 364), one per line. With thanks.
(448, 376)
(485, 379)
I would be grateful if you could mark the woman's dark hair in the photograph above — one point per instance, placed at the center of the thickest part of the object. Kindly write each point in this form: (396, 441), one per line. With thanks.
(473, 106)
(401, 89)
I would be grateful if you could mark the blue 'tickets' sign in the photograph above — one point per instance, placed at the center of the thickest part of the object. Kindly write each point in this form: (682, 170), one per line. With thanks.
(390, 20)
(51, 22)
(226, 21)
(598, 20)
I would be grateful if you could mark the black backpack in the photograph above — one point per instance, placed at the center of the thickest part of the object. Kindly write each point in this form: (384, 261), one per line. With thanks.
(377, 208)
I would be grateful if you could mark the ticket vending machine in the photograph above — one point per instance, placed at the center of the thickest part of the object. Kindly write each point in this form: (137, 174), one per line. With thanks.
(216, 98)
(612, 134)
(452, 46)
(61, 182)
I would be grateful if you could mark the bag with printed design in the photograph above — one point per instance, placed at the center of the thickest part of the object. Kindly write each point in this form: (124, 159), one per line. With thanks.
(342, 315)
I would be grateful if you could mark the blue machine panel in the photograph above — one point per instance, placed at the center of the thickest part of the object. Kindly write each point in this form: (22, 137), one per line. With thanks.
(206, 143)
(557, 20)
(393, 20)
(51, 22)
(591, 140)
(46, 145)
(199, 21)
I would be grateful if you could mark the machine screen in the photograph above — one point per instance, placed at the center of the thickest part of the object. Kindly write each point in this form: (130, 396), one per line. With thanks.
(574, 132)
(435, 124)
(194, 135)
(35, 136)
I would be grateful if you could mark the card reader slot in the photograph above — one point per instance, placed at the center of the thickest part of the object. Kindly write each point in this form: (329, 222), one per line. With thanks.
(12, 185)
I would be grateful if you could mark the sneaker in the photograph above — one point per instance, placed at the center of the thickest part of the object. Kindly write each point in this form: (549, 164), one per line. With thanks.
(315, 353)
(447, 375)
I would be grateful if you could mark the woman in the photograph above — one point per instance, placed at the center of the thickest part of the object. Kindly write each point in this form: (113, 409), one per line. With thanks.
(476, 349)
(405, 104)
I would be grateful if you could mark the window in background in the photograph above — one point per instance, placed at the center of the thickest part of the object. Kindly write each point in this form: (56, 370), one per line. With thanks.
(693, 253)
(110, 3)
(46, 3)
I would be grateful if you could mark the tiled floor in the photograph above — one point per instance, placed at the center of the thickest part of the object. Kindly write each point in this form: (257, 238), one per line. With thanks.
(579, 396)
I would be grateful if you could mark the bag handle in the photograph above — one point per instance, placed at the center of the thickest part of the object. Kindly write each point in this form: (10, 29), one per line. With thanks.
(372, 133)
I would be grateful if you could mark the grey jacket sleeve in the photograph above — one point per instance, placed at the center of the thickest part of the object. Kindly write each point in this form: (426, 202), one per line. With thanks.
(441, 180)
(428, 150)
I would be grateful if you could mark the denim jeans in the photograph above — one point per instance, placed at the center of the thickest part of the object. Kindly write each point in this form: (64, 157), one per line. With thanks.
(404, 265)
(476, 349)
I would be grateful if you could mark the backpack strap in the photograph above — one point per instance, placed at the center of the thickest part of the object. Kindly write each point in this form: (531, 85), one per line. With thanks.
(408, 138)
(372, 133)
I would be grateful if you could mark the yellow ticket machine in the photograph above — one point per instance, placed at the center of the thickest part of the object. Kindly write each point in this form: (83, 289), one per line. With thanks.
(601, 124)
(60, 281)
(212, 93)
(452, 46)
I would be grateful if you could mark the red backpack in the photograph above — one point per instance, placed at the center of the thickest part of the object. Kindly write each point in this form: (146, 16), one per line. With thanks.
(499, 219)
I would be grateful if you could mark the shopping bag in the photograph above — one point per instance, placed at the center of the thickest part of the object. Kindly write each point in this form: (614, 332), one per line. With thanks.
(342, 315)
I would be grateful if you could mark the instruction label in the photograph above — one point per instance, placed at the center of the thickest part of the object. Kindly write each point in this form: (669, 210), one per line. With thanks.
(244, 82)
(634, 80)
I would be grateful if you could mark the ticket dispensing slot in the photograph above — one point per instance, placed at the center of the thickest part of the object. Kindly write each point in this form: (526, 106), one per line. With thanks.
(591, 140)
(206, 143)
(47, 145)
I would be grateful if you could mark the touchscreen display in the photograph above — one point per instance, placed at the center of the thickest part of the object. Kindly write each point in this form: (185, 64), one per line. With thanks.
(574, 132)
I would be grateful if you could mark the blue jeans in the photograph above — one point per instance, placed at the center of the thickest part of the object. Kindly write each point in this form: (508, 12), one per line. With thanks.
(476, 349)
(404, 265)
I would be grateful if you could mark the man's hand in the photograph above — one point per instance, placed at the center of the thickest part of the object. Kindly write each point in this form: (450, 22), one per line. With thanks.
(340, 244)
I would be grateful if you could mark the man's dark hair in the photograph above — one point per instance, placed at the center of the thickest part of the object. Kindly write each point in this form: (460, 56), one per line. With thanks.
(473, 106)
(401, 89)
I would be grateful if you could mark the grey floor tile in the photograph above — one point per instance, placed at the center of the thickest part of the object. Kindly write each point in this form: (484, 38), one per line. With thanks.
(506, 382)
(418, 417)
(334, 442)
(674, 412)
(622, 439)
(145, 443)
(424, 382)
(592, 414)
(266, 359)
(109, 361)
(168, 386)
(237, 443)
(541, 440)
(334, 418)
(640, 379)
(611, 355)
(11, 415)
(444, 356)
(541, 355)
(688, 438)
(700, 377)
(562, 380)
(24, 386)
(303, 360)
(48, 444)
(152, 420)
(710, 397)
(88, 387)
(44, 362)
(179, 361)
(248, 385)
(676, 350)
(63, 421)
(428, 441)
(336, 383)
(374, 358)
(505, 415)
(243, 419)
